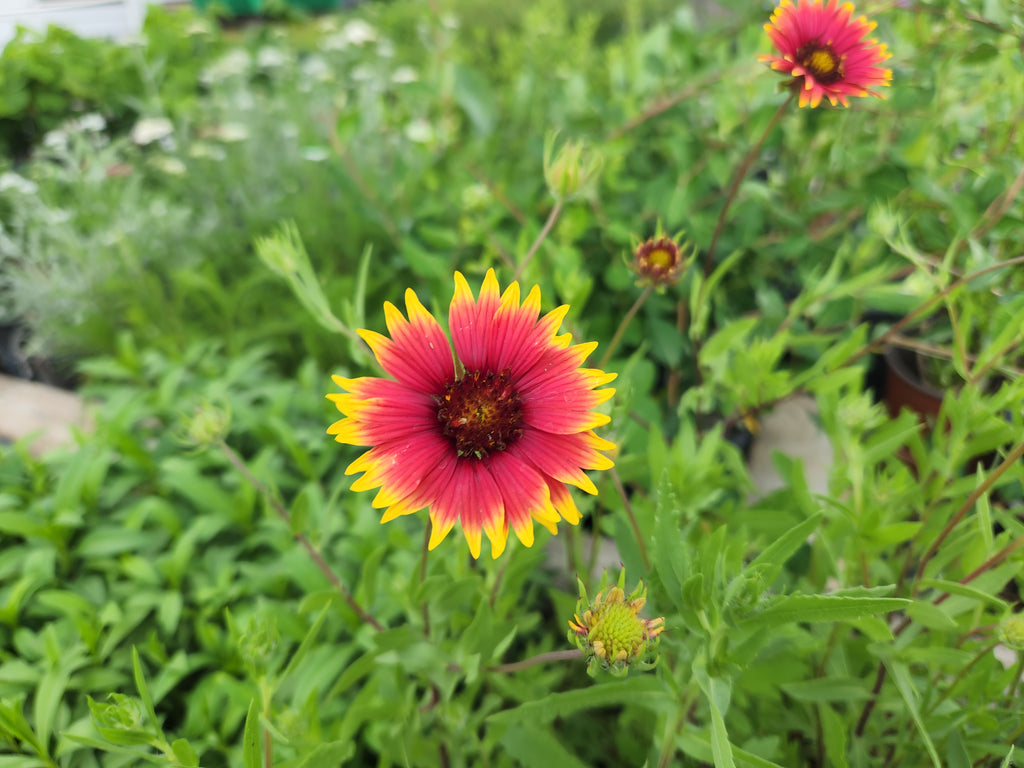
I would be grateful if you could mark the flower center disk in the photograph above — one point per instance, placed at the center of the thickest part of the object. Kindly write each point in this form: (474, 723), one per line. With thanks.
(480, 413)
(821, 61)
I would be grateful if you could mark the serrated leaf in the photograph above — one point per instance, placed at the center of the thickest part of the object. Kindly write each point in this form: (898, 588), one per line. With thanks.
(668, 541)
(819, 608)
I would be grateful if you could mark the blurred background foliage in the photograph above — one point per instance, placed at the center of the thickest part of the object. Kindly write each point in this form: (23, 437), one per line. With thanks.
(408, 137)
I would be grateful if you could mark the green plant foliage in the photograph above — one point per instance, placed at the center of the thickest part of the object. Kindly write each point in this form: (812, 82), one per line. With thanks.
(197, 224)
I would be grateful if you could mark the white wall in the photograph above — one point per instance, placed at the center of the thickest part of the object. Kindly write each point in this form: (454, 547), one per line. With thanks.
(116, 19)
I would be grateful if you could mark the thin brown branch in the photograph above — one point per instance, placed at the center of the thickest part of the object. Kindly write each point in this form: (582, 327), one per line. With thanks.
(620, 488)
(976, 494)
(544, 232)
(540, 658)
(314, 554)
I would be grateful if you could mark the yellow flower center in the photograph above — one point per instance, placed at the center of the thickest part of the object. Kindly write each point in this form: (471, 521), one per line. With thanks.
(661, 258)
(480, 413)
(822, 62)
(617, 634)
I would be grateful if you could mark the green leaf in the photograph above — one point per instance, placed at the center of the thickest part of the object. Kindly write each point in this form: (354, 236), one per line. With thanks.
(144, 695)
(306, 644)
(896, 533)
(330, 753)
(537, 747)
(184, 753)
(472, 92)
(931, 616)
(251, 737)
(818, 608)
(775, 555)
(696, 746)
(13, 724)
(836, 733)
(643, 691)
(669, 546)
(717, 692)
(956, 588)
(48, 697)
(901, 677)
(827, 689)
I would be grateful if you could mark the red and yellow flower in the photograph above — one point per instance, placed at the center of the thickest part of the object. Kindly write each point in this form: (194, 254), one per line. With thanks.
(824, 48)
(489, 438)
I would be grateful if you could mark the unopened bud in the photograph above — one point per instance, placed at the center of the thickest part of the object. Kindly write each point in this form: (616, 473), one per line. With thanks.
(611, 634)
(572, 171)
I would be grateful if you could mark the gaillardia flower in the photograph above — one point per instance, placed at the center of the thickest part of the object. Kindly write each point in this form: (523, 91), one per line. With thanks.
(610, 632)
(824, 49)
(660, 261)
(488, 439)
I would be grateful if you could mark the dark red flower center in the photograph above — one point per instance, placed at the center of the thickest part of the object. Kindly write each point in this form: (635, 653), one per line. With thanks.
(822, 62)
(480, 413)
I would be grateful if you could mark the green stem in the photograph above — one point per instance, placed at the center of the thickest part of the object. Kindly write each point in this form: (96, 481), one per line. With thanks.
(545, 231)
(236, 461)
(947, 692)
(978, 492)
(632, 518)
(423, 578)
(626, 320)
(741, 172)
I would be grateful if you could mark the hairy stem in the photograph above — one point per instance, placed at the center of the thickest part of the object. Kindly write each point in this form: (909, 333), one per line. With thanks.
(540, 658)
(741, 173)
(314, 555)
(978, 492)
(626, 320)
(632, 518)
(545, 231)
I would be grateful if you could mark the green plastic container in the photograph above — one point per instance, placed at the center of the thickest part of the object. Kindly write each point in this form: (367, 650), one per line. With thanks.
(256, 7)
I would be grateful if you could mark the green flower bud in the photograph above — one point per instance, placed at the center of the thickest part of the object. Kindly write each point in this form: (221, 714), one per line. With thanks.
(207, 426)
(611, 634)
(1011, 631)
(571, 172)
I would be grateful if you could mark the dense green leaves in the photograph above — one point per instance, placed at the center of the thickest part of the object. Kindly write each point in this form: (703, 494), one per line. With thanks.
(159, 603)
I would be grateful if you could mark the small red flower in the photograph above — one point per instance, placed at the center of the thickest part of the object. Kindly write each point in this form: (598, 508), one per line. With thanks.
(825, 50)
(489, 439)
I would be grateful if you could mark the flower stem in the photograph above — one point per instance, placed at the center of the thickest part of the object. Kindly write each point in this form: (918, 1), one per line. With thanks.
(632, 518)
(544, 232)
(626, 320)
(741, 172)
(314, 555)
(423, 578)
(540, 658)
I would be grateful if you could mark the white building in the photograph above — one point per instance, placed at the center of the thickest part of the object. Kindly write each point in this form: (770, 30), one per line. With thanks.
(115, 19)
